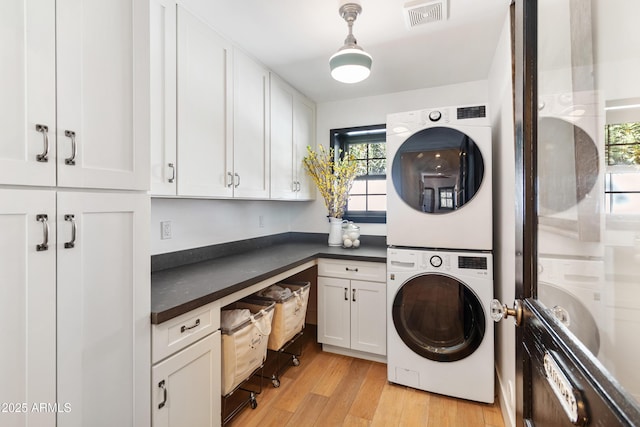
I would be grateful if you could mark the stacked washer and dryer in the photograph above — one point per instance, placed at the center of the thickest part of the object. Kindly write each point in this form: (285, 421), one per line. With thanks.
(439, 262)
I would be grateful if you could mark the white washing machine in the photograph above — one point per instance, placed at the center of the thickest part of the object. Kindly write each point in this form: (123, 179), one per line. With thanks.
(571, 172)
(439, 191)
(439, 331)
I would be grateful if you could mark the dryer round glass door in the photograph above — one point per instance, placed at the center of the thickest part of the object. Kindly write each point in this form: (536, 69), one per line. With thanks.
(566, 172)
(438, 317)
(437, 170)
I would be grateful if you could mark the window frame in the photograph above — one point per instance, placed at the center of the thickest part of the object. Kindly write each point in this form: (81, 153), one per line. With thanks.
(339, 140)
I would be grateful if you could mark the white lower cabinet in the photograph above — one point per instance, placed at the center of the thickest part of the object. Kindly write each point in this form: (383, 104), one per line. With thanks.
(186, 386)
(74, 308)
(352, 312)
(187, 369)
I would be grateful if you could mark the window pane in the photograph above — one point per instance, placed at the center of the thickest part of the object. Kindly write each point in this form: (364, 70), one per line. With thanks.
(624, 182)
(628, 203)
(623, 154)
(377, 167)
(357, 203)
(378, 186)
(359, 187)
(623, 133)
(358, 150)
(377, 150)
(377, 203)
(361, 168)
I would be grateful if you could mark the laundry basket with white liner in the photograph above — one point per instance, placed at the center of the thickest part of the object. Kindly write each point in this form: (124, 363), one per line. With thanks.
(291, 299)
(291, 308)
(245, 330)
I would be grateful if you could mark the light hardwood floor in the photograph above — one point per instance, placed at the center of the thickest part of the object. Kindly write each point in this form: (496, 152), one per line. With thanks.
(333, 390)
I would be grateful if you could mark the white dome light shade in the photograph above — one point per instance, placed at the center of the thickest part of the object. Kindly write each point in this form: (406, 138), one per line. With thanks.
(350, 65)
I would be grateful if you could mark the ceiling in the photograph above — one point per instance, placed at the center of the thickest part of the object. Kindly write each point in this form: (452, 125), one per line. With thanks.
(295, 39)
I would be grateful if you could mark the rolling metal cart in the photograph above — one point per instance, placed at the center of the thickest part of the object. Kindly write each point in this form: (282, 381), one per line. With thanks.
(244, 350)
(291, 299)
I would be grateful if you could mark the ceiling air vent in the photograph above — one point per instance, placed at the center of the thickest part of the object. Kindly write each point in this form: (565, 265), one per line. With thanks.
(421, 12)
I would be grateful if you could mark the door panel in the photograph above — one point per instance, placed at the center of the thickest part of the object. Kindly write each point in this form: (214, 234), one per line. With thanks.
(580, 247)
(27, 308)
(103, 309)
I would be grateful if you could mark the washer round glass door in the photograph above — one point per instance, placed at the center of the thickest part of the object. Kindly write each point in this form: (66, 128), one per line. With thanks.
(437, 170)
(438, 317)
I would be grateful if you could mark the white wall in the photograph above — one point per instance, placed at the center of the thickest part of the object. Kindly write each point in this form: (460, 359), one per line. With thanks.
(501, 101)
(370, 111)
(197, 222)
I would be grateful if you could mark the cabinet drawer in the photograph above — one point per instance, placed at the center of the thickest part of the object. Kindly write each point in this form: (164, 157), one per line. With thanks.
(177, 333)
(359, 270)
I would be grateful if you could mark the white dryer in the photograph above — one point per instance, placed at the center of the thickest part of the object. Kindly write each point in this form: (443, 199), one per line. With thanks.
(439, 191)
(439, 330)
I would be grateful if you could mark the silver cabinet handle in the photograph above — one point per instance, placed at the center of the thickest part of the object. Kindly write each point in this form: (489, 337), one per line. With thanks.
(74, 148)
(162, 385)
(294, 186)
(298, 185)
(230, 176)
(44, 219)
(353, 295)
(238, 183)
(173, 170)
(44, 156)
(71, 243)
(351, 269)
(186, 328)
(346, 294)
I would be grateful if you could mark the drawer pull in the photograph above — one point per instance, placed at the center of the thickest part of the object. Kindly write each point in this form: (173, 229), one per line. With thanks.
(162, 385)
(44, 219)
(74, 148)
(351, 269)
(186, 328)
(72, 243)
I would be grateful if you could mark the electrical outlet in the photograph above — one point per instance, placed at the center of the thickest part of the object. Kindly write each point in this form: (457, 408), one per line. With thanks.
(165, 230)
(261, 221)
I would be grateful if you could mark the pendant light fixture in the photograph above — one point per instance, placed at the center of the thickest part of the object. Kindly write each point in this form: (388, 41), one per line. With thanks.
(351, 64)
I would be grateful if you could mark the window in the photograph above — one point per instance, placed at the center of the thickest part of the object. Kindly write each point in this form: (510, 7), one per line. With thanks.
(622, 156)
(368, 195)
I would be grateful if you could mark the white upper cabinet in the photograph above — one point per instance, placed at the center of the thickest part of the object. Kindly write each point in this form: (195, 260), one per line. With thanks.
(95, 59)
(28, 88)
(250, 128)
(204, 120)
(103, 90)
(163, 97)
(292, 129)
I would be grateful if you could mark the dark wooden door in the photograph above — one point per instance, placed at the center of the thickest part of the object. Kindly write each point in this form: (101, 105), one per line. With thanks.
(564, 377)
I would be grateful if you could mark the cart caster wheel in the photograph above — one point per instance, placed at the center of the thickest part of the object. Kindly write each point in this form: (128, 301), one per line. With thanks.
(276, 382)
(254, 404)
(295, 361)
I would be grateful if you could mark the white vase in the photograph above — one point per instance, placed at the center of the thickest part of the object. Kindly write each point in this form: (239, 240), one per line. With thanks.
(335, 231)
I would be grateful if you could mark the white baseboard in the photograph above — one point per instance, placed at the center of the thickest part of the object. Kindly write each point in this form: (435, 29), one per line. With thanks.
(354, 353)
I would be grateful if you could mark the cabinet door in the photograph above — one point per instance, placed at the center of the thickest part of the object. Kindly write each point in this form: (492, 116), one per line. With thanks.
(103, 94)
(27, 307)
(250, 128)
(334, 318)
(186, 386)
(282, 154)
(27, 85)
(163, 97)
(204, 115)
(103, 294)
(303, 136)
(368, 317)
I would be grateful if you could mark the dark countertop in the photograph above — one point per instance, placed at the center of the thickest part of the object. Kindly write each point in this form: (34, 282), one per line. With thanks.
(178, 290)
